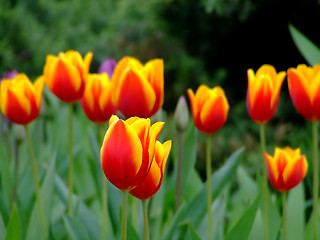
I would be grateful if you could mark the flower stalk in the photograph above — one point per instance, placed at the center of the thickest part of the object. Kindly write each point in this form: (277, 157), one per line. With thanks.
(315, 177)
(35, 176)
(70, 207)
(145, 220)
(265, 183)
(284, 216)
(124, 215)
(209, 197)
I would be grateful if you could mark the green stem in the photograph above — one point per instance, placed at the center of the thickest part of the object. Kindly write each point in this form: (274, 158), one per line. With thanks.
(284, 215)
(145, 220)
(134, 212)
(179, 170)
(70, 207)
(315, 177)
(104, 194)
(124, 215)
(209, 197)
(35, 176)
(265, 182)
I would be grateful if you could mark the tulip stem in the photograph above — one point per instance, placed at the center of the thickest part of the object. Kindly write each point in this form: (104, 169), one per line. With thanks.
(209, 197)
(265, 182)
(124, 215)
(70, 207)
(284, 215)
(179, 170)
(35, 176)
(145, 219)
(104, 193)
(315, 177)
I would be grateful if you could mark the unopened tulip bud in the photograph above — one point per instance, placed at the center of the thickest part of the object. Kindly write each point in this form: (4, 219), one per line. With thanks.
(181, 115)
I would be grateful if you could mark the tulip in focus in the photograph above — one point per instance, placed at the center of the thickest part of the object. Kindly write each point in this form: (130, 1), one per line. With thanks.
(209, 108)
(304, 89)
(96, 100)
(66, 74)
(108, 67)
(263, 93)
(286, 169)
(20, 100)
(153, 181)
(127, 151)
(138, 89)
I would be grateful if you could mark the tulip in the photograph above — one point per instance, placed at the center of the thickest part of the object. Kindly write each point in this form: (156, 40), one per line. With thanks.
(96, 100)
(66, 74)
(286, 168)
(153, 181)
(10, 74)
(20, 100)
(138, 89)
(108, 67)
(263, 93)
(304, 89)
(128, 150)
(209, 108)
(181, 115)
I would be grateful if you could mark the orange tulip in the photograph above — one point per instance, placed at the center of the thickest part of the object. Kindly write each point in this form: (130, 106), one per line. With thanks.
(153, 181)
(96, 100)
(138, 89)
(209, 108)
(128, 150)
(66, 74)
(304, 89)
(20, 100)
(286, 168)
(263, 93)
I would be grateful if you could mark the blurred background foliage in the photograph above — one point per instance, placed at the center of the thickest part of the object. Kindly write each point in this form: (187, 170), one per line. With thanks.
(208, 41)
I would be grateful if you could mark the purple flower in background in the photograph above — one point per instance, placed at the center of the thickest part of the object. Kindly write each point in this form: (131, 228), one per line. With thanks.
(10, 74)
(108, 67)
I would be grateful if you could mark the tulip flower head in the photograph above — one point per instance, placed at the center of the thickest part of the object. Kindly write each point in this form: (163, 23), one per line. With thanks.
(20, 100)
(263, 93)
(127, 150)
(286, 169)
(304, 89)
(153, 181)
(209, 108)
(138, 89)
(66, 74)
(108, 67)
(96, 100)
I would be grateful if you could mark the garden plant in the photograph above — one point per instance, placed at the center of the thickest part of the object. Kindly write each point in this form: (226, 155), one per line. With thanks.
(89, 156)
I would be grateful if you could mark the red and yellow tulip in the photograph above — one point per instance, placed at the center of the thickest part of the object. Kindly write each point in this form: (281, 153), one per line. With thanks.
(263, 93)
(209, 108)
(138, 89)
(66, 74)
(96, 100)
(128, 150)
(20, 100)
(153, 181)
(286, 169)
(304, 89)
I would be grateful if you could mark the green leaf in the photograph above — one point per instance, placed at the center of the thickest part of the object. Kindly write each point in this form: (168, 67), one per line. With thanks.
(131, 232)
(6, 175)
(192, 233)
(189, 156)
(14, 227)
(84, 215)
(242, 229)
(295, 213)
(4, 208)
(307, 48)
(2, 228)
(47, 189)
(75, 229)
(196, 209)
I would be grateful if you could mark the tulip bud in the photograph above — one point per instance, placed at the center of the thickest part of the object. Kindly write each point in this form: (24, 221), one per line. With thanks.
(181, 115)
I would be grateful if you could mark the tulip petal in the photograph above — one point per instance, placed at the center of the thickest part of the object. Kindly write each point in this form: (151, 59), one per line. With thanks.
(135, 96)
(294, 173)
(121, 142)
(299, 92)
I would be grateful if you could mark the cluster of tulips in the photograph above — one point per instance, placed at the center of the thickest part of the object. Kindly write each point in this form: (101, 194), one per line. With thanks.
(132, 158)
